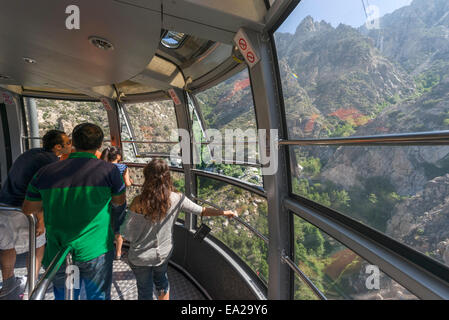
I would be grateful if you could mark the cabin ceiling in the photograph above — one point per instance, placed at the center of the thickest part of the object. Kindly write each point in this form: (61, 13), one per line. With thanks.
(66, 61)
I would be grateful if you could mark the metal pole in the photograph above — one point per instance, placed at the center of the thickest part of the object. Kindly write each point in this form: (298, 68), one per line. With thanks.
(303, 277)
(33, 121)
(32, 253)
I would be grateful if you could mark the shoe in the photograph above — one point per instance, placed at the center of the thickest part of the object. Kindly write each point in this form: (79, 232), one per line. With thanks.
(15, 290)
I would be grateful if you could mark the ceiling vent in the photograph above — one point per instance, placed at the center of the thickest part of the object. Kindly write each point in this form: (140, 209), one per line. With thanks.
(101, 43)
(29, 60)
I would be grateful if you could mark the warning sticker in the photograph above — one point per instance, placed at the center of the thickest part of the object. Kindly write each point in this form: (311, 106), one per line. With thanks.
(245, 47)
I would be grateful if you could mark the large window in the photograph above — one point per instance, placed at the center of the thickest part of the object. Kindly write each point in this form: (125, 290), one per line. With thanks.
(152, 125)
(349, 68)
(64, 115)
(338, 272)
(352, 69)
(226, 113)
(251, 208)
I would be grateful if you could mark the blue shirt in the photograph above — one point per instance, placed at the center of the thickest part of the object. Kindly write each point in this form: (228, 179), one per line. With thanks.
(121, 167)
(21, 173)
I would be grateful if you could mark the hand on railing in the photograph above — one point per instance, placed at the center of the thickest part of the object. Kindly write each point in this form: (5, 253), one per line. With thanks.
(230, 214)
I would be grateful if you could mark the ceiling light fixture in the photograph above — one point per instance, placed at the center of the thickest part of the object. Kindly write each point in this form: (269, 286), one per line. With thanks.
(29, 60)
(101, 43)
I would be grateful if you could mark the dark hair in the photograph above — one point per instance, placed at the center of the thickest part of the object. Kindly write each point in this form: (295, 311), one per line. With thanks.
(52, 138)
(155, 197)
(110, 154)
(87, 136)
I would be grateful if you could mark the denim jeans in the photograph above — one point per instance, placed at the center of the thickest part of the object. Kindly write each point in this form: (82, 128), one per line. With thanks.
(145, 276)
(95, 274)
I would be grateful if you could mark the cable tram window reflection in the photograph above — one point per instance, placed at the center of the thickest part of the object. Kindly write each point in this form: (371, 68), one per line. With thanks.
(251, 208)
(337, 271)
(226, 111)
(353, 68)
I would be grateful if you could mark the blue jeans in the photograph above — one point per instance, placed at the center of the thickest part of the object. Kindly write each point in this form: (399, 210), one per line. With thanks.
(145, 276)
(96, 274)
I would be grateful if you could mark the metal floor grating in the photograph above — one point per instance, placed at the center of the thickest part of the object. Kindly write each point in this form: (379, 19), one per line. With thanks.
(124, 282)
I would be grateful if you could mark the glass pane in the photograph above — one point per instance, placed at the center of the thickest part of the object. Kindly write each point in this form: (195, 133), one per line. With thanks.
(338, 272)
(152, 122)
(401, 191)
(251, 208)
(227, 106)
(64, 115)
(349, 68)
(136, 174)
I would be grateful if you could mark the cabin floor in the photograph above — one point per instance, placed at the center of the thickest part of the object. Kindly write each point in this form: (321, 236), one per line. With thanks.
(124, 283)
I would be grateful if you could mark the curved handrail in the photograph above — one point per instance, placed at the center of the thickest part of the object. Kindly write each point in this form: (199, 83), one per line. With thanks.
(239, 220)
(413, 139)
(232, 181)
(303, 276)
(32, 244)
(41, 288)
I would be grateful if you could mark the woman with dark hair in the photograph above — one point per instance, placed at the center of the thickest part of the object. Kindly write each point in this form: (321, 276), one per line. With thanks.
(113, 155)
(149, 225)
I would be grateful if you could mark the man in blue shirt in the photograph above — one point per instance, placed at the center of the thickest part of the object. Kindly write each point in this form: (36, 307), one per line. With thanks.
(14, 225)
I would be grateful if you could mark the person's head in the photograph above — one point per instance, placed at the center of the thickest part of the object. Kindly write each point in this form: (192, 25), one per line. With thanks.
(156, 190)
(57, 142)
(111, 154)
(87, 137)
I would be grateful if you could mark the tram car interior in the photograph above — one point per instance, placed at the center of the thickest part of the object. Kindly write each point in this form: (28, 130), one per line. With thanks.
(324, 124)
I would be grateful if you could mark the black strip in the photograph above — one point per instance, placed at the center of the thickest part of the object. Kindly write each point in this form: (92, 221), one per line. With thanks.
(6, 135)
(55, 96)
(284, 16)
(415, 257)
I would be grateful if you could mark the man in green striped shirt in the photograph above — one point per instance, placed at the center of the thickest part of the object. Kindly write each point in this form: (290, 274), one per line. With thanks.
(76, 195)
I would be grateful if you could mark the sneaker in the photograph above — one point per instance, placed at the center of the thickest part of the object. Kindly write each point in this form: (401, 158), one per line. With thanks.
(15, 290)
(23, 284)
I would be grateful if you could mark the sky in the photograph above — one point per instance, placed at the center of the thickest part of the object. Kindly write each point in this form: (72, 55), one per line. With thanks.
(349, 12)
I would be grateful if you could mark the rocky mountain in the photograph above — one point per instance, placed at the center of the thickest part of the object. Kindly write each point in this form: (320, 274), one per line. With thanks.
(422, 221)
(334, 75)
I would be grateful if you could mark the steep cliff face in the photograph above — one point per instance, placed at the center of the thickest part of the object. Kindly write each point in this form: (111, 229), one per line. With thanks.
(415, 36)
(408, 168)
(329, 73)
(422, 221)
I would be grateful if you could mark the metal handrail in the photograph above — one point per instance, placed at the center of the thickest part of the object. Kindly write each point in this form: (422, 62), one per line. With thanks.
(303, 276)
(41, 288)
(412, 139)
(239, 220)
(32, 244)
(149, 141)
(260, 191)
